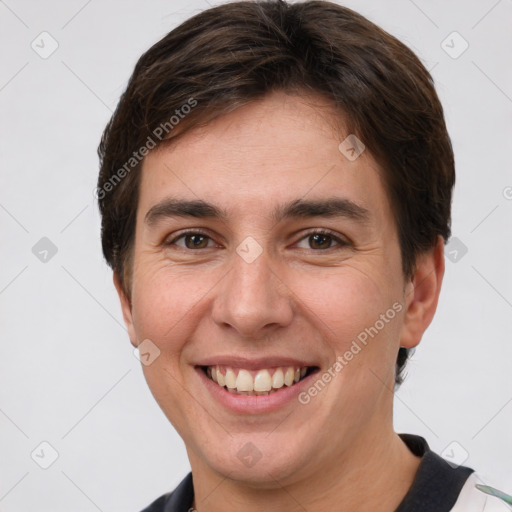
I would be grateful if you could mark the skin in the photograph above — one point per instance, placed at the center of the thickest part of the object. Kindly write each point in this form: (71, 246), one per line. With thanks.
(297, 299)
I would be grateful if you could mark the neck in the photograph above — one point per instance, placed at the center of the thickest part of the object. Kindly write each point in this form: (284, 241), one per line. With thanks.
(375, 473)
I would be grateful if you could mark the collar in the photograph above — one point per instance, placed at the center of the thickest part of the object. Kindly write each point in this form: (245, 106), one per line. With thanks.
(435, 488)
(437, 483)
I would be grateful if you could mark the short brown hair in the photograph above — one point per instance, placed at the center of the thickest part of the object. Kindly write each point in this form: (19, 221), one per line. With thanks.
(232, 54)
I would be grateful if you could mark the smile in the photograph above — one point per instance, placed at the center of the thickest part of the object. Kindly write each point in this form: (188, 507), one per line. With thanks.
(261, 382)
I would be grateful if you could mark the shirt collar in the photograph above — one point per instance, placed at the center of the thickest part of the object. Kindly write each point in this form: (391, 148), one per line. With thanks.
(437, 483)
(435, 488)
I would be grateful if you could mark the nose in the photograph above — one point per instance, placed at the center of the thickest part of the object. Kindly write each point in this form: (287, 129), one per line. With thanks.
(253, 298)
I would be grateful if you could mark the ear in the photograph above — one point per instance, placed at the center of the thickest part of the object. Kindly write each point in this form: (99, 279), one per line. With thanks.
(126, 308)
(422, 294)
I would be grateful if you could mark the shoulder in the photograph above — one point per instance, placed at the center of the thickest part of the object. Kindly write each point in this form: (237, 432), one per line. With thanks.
(472, 499)
(442, 486)
(178, 500)
(159, 504)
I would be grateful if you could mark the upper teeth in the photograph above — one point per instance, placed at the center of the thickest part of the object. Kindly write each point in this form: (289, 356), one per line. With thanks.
(261, 381)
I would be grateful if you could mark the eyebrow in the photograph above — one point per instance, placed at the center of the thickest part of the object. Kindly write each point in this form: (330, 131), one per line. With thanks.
(299, 208)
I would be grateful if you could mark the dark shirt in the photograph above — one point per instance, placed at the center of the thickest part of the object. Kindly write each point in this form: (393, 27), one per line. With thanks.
(435, 488)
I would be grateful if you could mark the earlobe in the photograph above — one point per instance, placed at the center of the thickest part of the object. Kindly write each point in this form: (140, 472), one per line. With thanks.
(126, 309)
(422, 295)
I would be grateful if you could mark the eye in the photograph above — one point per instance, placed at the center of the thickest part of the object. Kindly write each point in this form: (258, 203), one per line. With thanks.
(323, 239)
(319, 239)
(192, 240)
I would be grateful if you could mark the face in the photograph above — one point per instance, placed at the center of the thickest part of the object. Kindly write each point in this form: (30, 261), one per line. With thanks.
(288, 258)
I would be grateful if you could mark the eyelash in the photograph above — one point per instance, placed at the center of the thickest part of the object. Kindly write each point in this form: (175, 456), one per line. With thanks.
(325, 232)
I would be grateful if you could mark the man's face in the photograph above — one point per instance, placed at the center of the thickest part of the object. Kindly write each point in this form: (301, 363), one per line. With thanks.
(260, 291)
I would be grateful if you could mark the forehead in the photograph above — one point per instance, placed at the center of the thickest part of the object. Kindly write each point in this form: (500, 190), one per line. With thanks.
(268, 153)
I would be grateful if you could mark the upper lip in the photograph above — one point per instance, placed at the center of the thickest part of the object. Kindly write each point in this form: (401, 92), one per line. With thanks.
(254, 363)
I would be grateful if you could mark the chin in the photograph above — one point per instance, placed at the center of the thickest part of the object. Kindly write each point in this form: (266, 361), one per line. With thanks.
(258, 464)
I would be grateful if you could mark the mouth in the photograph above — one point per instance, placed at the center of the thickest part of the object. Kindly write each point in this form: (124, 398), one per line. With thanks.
(265, 381)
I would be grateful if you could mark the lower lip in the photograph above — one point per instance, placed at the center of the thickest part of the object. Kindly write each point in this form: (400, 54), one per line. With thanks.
(255, 404)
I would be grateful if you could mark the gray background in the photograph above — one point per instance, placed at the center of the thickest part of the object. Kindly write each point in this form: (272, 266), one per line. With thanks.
(67, 370)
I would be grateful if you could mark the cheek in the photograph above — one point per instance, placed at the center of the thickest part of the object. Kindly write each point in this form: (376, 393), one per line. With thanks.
(164, 307)
(344, 302)
(356, 314)
(164, 300)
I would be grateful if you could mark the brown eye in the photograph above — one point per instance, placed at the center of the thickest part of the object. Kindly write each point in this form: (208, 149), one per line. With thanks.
(196, 241)
(192, 240)
(320, 241)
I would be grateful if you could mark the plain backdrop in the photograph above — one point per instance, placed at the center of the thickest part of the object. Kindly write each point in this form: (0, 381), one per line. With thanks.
(68, 376)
